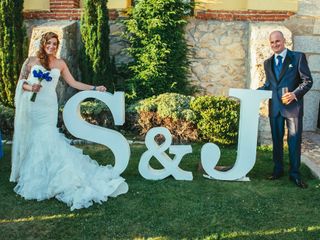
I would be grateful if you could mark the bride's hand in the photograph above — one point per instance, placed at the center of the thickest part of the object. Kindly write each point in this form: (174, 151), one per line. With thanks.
(35, 88)
(101, 88)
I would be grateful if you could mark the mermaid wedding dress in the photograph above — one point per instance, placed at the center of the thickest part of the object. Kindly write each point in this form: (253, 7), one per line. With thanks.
(44, 165)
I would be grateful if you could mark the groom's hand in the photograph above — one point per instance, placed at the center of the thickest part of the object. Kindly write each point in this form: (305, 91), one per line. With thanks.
(288, 98)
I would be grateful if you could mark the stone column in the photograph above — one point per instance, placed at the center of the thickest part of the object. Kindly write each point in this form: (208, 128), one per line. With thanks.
(305, 27)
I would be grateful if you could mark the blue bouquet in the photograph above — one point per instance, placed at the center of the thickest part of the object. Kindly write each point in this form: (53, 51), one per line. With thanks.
(41, 76)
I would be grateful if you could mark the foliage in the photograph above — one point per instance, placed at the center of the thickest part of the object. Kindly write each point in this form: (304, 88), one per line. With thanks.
(12, 47)
(173, 105)
(170, 209)
(181, 130)
(97, 113)
(96, 67)
(6, 121)
(213, 118)
(155, 31)
(170, 110)
(218, 118)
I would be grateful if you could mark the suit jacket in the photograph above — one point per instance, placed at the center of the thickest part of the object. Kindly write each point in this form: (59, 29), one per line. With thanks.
(295, 75)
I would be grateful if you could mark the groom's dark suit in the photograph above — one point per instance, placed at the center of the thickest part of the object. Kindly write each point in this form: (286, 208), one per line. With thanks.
(295, 75)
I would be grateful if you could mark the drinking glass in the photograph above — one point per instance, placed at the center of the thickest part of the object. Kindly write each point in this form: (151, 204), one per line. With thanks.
(284, 90)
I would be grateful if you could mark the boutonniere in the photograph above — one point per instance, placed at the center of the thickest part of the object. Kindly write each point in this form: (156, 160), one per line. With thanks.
(290, 65)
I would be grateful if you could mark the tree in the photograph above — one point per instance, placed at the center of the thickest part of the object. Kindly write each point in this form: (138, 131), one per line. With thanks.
(12, 48)
(155, 31)
(95, 64)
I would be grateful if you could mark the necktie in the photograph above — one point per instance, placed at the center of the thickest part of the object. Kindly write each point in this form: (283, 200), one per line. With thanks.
(278, 66)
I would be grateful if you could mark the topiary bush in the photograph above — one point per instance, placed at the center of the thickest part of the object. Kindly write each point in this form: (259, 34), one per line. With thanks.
(217, 119)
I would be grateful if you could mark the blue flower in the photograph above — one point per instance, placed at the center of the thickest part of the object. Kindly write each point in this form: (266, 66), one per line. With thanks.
(41, 75)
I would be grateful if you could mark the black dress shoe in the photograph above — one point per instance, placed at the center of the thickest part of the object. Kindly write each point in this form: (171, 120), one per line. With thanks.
(275, 176)
(298, 182)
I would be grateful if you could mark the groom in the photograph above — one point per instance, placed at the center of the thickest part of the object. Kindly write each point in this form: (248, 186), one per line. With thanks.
(286, 69)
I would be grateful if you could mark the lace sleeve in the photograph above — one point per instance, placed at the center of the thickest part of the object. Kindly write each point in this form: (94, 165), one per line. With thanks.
(25, 70)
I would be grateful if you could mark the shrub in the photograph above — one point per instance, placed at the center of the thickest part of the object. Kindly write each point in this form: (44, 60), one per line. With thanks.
(173, 105)
(155, 31)
(206, 118)
(218, 118)
(97, 113)
(13, 48)
(170, 110)
(6, 121)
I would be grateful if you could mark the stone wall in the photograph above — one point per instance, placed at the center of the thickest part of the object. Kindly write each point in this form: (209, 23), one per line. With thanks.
(218, 55)
(117, 44)
(305, 27)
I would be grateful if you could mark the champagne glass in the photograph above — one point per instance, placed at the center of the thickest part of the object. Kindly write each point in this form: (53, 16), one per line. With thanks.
(284, 90)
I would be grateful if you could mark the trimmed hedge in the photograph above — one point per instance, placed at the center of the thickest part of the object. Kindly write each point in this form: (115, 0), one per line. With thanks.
(170, 110)
(217, 118)
(206, 118)
(173, 105)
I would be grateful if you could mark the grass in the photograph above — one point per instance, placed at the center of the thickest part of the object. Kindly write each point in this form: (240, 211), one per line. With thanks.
(170, 209)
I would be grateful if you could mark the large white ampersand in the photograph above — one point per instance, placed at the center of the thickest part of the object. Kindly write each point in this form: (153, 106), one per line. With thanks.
(171, 166)
(114, 140)
(247, 138)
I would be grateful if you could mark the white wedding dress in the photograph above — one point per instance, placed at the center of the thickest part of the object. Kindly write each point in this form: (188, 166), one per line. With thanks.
(44, 165)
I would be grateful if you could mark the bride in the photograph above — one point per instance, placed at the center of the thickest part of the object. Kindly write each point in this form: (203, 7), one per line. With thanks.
(44, 165)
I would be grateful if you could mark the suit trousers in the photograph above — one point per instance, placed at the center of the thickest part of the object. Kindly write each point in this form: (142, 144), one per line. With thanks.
(294, 126)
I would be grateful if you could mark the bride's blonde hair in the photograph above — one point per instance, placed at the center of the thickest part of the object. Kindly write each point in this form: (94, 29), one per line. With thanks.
(41, 54)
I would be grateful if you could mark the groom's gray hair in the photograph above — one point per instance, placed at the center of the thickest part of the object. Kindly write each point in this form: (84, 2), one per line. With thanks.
(277, 31)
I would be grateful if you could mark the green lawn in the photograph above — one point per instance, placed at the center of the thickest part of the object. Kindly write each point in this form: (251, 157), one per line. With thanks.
(170, 209)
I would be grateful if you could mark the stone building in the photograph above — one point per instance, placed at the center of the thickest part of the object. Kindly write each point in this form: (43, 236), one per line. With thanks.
(228, 41)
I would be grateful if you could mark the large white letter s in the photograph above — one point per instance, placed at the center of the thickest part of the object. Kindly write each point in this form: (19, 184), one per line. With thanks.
(114, 140)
